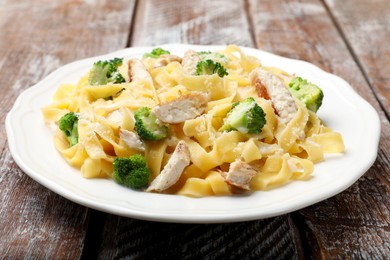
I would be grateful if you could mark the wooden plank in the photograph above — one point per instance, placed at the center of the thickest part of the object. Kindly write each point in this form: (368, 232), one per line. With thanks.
(36, 38)
(365, 25)
(353, 224)
(272, 238)
(197, 22)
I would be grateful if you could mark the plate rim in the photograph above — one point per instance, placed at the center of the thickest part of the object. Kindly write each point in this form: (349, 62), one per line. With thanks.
(367, 108)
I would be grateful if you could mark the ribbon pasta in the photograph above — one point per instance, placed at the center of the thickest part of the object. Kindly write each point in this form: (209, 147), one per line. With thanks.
(282, 152)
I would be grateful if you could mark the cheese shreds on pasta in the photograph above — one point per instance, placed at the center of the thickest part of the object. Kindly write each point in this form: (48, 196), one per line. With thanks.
(282, 152)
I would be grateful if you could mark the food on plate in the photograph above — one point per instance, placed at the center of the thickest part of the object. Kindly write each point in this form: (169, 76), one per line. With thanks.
(271, 87)
(306, 92)
(131, 171)
(106, 72)
(181, 109)
(201, 124)
(68, 124)
(147, 125)
(245, 116)
(172, 171)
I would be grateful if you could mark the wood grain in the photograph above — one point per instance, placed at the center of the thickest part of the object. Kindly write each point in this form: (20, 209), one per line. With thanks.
(36, 38)
(195, 22)
(355, 223)
(365, 25)
(265, 239)
(347, 38)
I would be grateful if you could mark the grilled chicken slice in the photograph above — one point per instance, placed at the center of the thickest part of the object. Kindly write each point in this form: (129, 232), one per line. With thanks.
(270, 86)
(172, 171)
(240, 174)
(131, 139)
(189, 62)
(183, 108)
(138, 71)
(165, 59)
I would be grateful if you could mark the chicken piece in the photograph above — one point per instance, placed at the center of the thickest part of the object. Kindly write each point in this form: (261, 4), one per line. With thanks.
(172, 171)
(165, 59)
(138, 71)
(183, 108)
(189, 62)
(270, 86)
(131, 139)
(240, 174)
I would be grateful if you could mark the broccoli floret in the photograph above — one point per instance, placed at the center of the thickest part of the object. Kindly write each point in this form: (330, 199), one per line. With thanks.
(245, 116)
(200, 53)
(204, 55)
(106, 72)
(307, 92)
(209, 54)
(215, 56)
(147, 126)
(209, 67)
(69, 125)
(131, 172)
(155, 53)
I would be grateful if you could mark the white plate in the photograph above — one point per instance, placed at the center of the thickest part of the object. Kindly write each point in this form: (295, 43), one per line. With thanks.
(31, 145)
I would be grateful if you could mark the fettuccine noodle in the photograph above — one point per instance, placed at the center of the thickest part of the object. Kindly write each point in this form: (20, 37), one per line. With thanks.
(281, 153)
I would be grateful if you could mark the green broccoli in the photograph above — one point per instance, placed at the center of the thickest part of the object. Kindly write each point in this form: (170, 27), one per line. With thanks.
(106, 72)
(155, 53)
(131, 172)
(69, 125)
(307, 92)
(209, 67)
(245, 116)
(215, 56)
(210, 55)
(147, 126)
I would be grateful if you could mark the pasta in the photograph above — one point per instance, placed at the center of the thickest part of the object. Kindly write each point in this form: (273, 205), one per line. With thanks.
(281, 152)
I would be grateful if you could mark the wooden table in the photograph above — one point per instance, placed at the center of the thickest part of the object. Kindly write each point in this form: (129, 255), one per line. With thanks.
(349, 38)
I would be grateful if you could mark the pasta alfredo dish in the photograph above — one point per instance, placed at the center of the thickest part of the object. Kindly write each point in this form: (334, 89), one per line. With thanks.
(206, 123)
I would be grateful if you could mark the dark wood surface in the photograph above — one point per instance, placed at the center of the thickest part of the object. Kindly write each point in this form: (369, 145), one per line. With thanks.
(348, 38)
